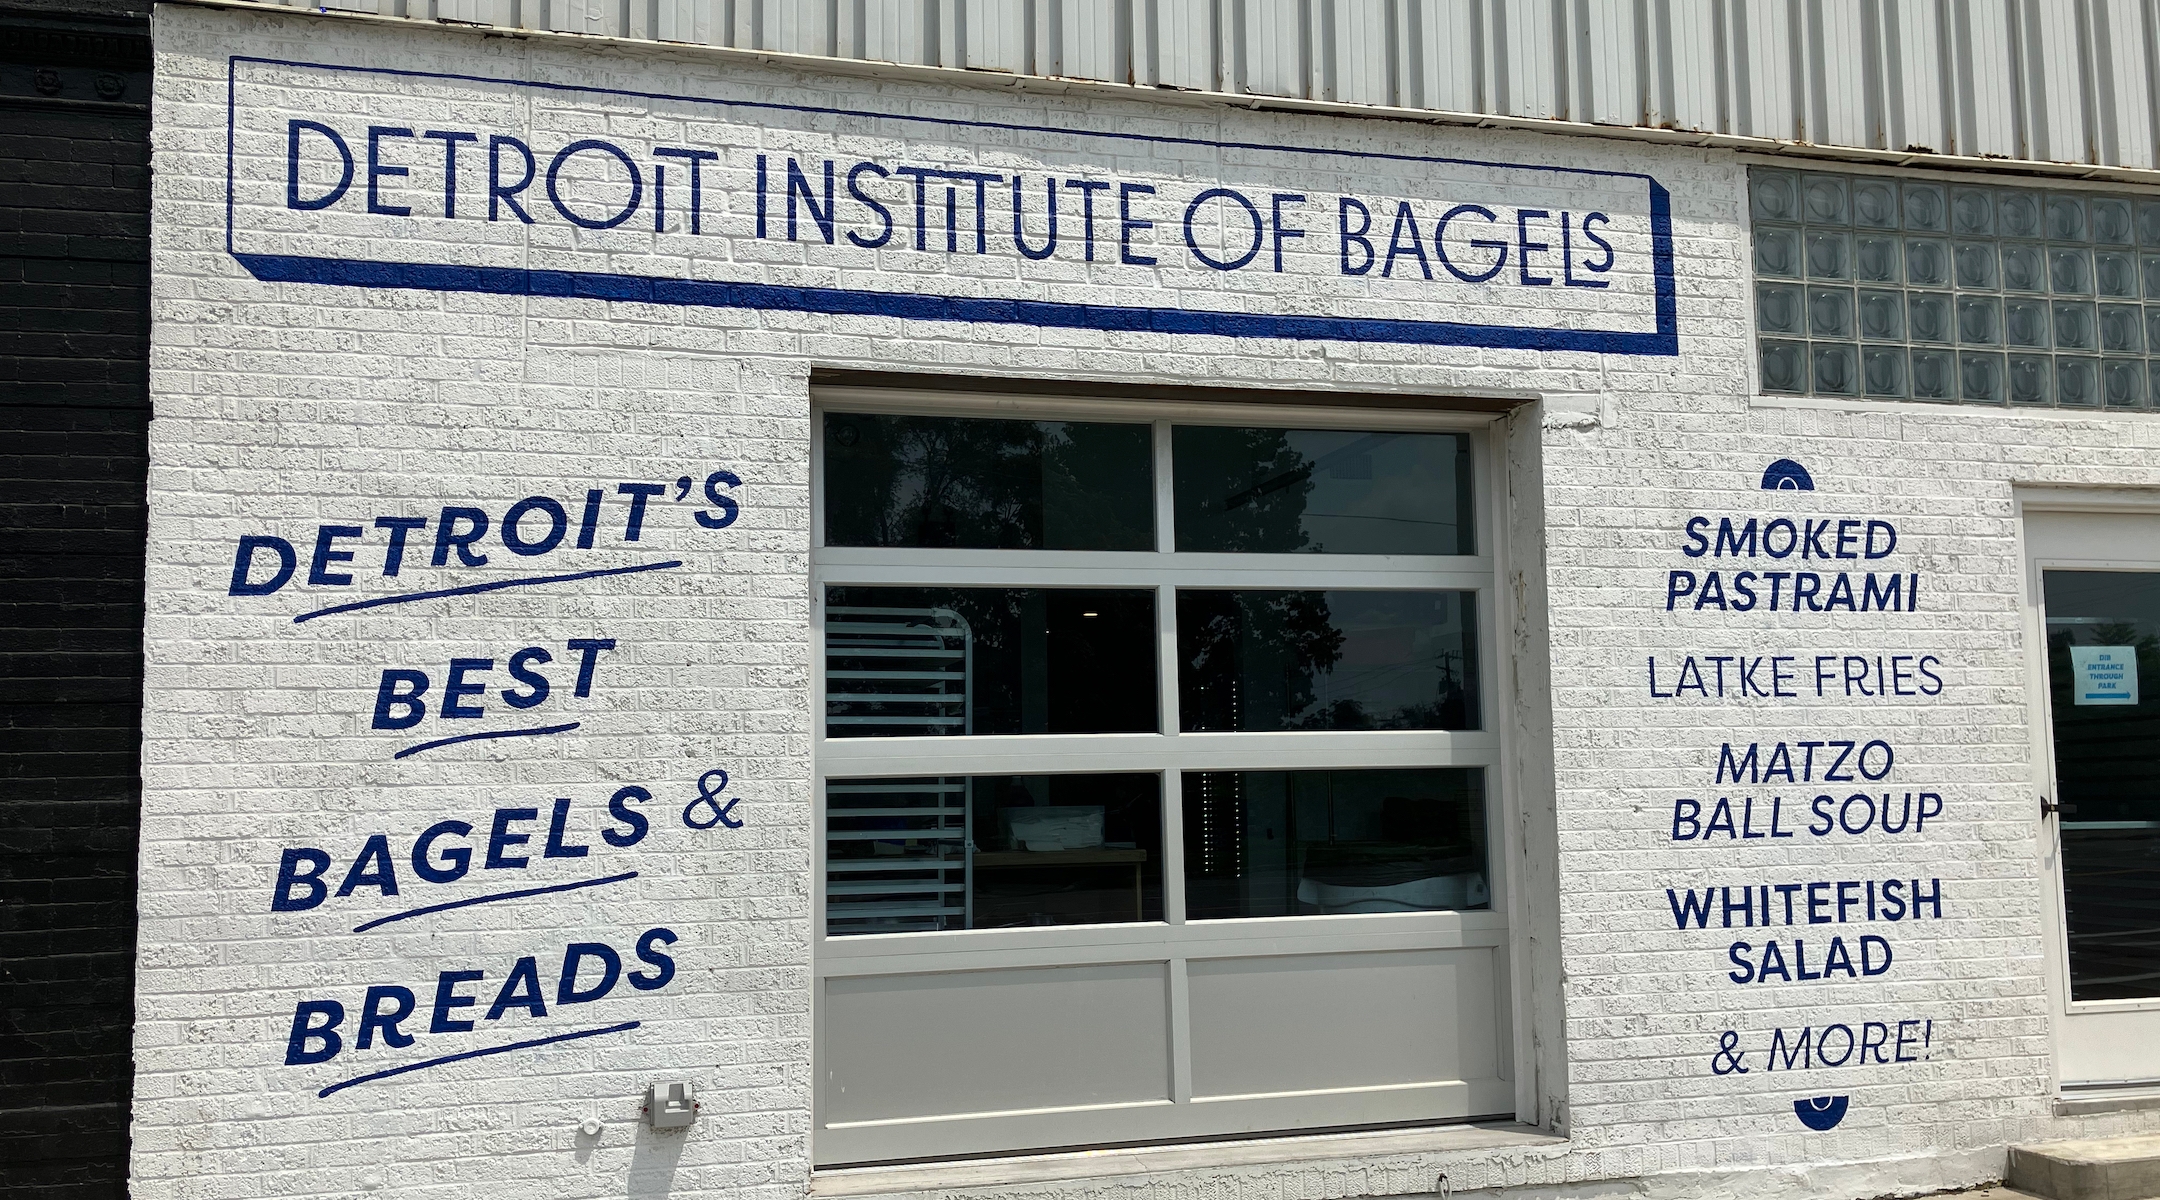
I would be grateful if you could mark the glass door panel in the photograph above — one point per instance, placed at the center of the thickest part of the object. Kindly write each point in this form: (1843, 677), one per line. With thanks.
(2103, 652)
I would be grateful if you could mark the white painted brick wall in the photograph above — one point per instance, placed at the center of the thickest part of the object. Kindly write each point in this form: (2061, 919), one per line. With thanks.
(283, 405)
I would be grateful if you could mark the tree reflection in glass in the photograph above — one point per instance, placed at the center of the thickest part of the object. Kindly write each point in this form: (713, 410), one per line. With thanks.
(987, 484)
(1286, 491)
(1282, 660)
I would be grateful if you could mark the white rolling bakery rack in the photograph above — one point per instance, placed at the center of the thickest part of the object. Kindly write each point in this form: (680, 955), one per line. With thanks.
(898, 672)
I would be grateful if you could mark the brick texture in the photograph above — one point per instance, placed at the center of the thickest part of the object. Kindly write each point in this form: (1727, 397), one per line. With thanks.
(74, 413)
(286, 404)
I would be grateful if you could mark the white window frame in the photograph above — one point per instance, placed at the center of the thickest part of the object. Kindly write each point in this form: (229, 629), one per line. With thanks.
(2100, 1046)
(1175, 940)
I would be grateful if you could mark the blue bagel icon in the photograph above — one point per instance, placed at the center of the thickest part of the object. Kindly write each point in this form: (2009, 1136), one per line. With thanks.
(1785, 475)
(1820, 1112)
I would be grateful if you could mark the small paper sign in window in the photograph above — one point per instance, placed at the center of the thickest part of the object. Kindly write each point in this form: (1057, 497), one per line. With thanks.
(2104, 674)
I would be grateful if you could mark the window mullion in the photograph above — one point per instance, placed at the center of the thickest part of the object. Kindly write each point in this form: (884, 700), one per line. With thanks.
(1165, 492)
(817, 473)
(1181, 1065)
(1062, 754)
(1166, 656)
(1173, 873)
(1163, 570)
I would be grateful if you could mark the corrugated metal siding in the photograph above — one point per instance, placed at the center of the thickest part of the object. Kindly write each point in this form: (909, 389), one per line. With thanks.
(2068, 81)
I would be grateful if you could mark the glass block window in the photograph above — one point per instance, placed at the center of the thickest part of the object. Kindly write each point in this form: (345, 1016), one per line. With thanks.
(1920, 289)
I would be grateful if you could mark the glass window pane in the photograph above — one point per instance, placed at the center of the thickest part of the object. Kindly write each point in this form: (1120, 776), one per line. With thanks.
(1829, 255)
(2107, 769)
(1878, 260)
(2025, 323)
(1777, 309)
(1883, 370)
(1282, 491)
(1980, 378)
(1975, 264)
(2111, 222)
(1784, 366)
(1934, 375)
(1825, 198)
(2122, 381)
(2066, 220)
(1275, 660)
(975, 483)
(1836, 369)
(1926, 208)
(2077, 381)
(2070, 271)
(1928, 316)
(2115, 275)
(2074, 327)
(2032, 379)
(936, 661)
(2017, 213)
(1777, 253)
(992, 852)
(1979, 320)
(2122, 328)
(1927, 262)
(1830, 313)
(1882, 316)
(1317, 843)
(1972, 212)
(2024, 269)
(1874, 203)
(1774, 195)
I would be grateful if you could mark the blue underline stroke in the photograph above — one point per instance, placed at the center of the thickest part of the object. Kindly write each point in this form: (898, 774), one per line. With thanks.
(474, 589)
(542, 731)
(446, 1059)
(599, 285)
(490, 899)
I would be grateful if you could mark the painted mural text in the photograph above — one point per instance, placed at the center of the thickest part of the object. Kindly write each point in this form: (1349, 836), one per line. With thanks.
(1824, 816)
(445, 852)
(1784, 677)
(396, 1016)
(532, 528)
(1855, 1043)
(401, 697)
(1787, 797)
(1795, 762)
(936, 209)
(598, 183)
(1813, 902)
(1781, 538)
(503, 177)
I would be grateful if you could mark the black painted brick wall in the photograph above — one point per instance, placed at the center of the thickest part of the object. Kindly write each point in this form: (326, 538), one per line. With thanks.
(74, 422)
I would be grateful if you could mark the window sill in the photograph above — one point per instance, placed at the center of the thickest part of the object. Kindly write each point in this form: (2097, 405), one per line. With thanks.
(1149, 1160)
(2077, 1102)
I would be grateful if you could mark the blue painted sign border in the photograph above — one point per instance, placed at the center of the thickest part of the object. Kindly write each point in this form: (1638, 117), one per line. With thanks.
(601, 285)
